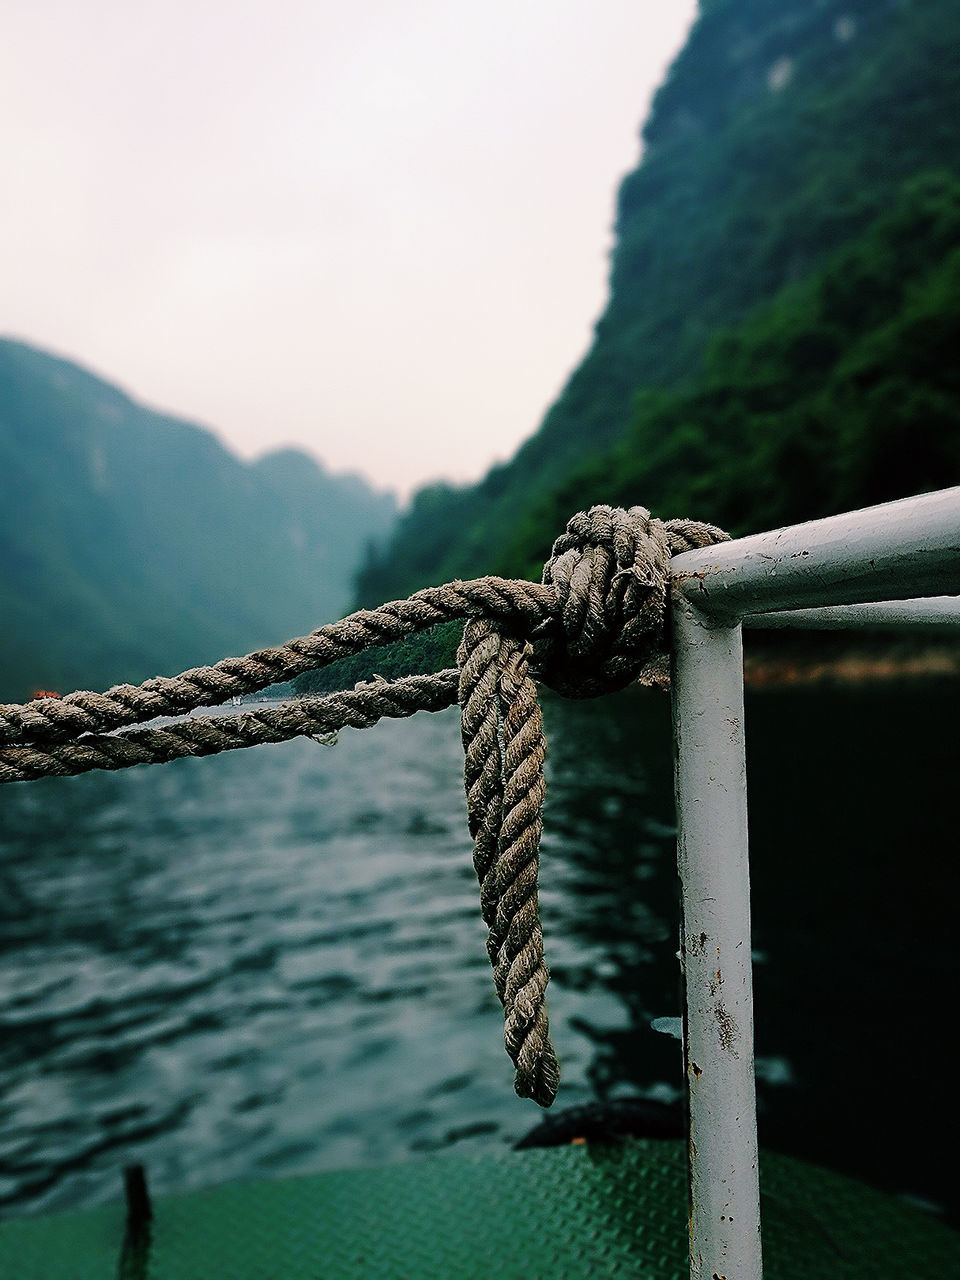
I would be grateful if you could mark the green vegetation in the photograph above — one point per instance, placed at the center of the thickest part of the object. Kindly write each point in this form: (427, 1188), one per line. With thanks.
(842, 392)
(779, 338)
(427, 651)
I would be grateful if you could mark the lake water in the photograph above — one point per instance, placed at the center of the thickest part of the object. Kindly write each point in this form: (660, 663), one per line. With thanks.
(272, 962)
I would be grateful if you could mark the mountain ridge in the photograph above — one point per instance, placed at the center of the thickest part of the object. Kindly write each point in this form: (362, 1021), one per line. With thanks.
(134, 542)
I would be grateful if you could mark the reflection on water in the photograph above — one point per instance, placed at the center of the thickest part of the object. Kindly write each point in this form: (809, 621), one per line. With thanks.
(272, 961)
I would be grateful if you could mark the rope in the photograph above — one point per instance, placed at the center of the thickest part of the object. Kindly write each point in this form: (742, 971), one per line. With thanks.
(209, 735)
(609, 573)
(595, 624)
(503, 744)
(523, 605)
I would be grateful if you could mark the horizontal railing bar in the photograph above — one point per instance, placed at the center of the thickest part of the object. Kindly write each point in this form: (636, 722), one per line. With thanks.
(929, 613)
(896, 551)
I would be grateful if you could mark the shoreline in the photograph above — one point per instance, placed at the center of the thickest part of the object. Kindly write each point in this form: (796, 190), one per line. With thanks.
(850, 667)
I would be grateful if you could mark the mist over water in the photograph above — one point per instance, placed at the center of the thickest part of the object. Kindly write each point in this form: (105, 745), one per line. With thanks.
(272, 961)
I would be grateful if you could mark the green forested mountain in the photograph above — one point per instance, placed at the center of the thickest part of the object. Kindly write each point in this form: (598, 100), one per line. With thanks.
(134, 544)
(783, 297)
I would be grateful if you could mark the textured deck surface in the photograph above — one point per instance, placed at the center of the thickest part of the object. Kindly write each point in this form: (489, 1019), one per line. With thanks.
(569, 1212)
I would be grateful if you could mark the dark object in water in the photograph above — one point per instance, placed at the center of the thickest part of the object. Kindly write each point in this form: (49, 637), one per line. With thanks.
(606, 1122)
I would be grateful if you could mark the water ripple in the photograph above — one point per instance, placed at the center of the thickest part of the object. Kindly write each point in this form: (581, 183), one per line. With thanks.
(273, 962)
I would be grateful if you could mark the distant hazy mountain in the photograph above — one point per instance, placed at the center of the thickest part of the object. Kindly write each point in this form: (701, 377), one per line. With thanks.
(135, 544)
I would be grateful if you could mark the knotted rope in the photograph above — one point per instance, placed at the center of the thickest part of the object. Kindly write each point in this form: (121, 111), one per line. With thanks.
(596, 624)
(503, 745)
(609, 574)
(610, 571)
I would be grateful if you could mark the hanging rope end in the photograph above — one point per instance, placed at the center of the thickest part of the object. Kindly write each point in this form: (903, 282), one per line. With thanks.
(542, 1081)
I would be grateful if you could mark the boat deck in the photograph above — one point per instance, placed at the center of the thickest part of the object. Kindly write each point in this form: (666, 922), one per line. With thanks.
(563, 1213)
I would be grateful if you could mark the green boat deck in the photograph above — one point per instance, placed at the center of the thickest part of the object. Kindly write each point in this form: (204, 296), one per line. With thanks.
(557, 1214)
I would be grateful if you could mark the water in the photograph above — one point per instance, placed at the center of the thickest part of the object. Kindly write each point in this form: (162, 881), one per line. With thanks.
(272, 962)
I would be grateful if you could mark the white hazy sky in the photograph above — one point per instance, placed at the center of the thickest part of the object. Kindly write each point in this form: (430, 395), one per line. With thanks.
(378, 230)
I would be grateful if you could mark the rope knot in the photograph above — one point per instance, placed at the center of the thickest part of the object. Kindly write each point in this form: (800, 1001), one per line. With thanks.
(610, 570)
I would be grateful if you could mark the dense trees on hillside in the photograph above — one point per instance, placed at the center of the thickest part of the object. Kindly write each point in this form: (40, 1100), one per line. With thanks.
(841, 392)
(734, 373)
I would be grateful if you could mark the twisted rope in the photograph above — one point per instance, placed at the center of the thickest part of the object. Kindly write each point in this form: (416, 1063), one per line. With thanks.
(595, 624)
(522, 605)
(503, 743)
(609, 573)
(209, 735)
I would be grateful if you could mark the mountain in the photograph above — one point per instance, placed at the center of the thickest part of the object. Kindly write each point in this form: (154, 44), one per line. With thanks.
(783, 297)
(134, 544)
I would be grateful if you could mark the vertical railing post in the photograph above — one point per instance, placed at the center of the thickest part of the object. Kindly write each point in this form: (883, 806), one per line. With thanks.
(710, 778)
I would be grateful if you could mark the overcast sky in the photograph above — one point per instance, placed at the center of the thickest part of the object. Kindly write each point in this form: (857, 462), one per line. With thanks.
(378, 230)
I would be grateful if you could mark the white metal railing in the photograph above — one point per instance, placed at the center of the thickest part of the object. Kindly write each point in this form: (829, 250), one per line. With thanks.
(888, 566)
